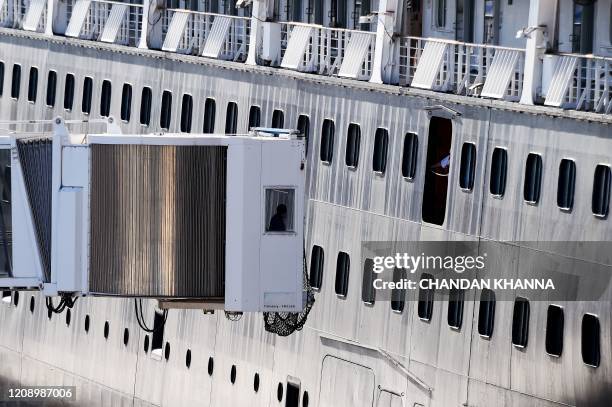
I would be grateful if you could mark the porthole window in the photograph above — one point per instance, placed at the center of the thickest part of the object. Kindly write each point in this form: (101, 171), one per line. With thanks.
(16, 81)
(566, 184)
(327, 141)
(146, 344)
(49, 314)
(188, 358)
(233, 374)
(145, 106)
(353, 141)
(32, 304)
(426, 299)
(254, 117)
(231, 118)
(211, 366)
(106, 329)
(16, 298)
(601, 191)
(499, 167)
(186, 113)
(520, 323)
(68, 317)
(87, 94)
(105, 98)
(126, 102)
(591, 340)
(209, 116)
(86, 324)
(33, 85)
(468, 167)
(368, 293)
(167, 351)
(278, 119)
(256, 382)
(533, 179)
(317, 257)
(409, 156)
(305, 399)
(554, 330)
(51, 88)
(455, 309)
(69, 92)
(343, 264)
(126, 336)
(166, 110)
(279, 392)
(381, 145)
(486, 313)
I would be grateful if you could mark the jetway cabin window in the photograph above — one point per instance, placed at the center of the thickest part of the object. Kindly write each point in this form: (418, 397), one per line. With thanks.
(280, 209)
(590, 340)
(368, 293)
(33, 84)
(455, 308)
(327, 141)
(468, 166)
(231, 118)
(166, 110)
(303, 125)
(381, 145)
(486, 313)
(105, 98)
(343, 267)
(254, 116)
(499, 167)
(317, 258)
(126, 102)
(51, 88)
(398, 295)
(210, 108)
(278, 119)
(554, 330)
(87, 92)
(145, 106)
(601, 191)
(520, 322)
(186, 113)
(409, 156)
(16, 81)
(353, 140)
(69, 92)
(566, 184)
(533, 179)
(426, 299)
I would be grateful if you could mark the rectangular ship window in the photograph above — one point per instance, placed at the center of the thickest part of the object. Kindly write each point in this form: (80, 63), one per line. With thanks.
(455, 308)
(368, 293)
(343, 266)
(303, 125)
(590, 340)
(278, 119)
(486, 313)
(105, 98)
(601, 191)
(280, 209)
(51, 88)
(145, 106)
(398, 295)
(499, 167)
(166, 110)
(16, 81)
(87, 92)
(353, 140)
(69, 92)
(554, 330)
(209, 116)
(409, 155)
(381, 145)
(426, 300)
(327, 141)
(468, 166)
(33, 85)
(186, 113)
(231, 118)
(566, 184)
(317, 257)
(533, 178)
(520, 322)
(126, 102)
(254, 116)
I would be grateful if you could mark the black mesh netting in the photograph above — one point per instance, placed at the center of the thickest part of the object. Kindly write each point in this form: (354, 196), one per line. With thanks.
(286, 323)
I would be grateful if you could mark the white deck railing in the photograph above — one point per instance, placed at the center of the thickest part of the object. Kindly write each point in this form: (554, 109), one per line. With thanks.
(464, 67)
(195, 32)
(327, 49)
(13, 15)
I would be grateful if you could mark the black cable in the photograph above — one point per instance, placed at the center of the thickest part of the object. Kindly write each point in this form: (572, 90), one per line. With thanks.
(140, 317)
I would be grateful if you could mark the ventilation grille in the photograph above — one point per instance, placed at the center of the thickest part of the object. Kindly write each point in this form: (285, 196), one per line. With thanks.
(35, 159)
(158, 221)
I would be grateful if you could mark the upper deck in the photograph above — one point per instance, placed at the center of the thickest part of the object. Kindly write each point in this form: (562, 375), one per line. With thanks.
(555, 53)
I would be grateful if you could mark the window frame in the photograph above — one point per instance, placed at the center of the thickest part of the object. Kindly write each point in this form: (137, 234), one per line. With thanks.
(523, 329)
(595, 317)
(538, 171)
(254, 113)
(607, 172)
(342, 273)
(368, 296)
(231, 127)
(16, 89)
(304, 118)
(547, 339)
(209, 104)
(276, 113)
(427, 298)
(489, 323)
(88, 94)
(326, 155)
(457, 297)
(571, 186)
(320, 267)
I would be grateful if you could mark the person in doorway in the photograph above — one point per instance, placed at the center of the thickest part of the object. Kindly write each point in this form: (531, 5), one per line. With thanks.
(441, 168)
(277, 223)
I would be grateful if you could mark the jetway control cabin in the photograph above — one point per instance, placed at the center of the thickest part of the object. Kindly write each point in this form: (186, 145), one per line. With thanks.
(215, 221)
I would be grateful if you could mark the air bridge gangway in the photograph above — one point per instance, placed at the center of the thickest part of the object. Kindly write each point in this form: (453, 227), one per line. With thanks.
(183, 218)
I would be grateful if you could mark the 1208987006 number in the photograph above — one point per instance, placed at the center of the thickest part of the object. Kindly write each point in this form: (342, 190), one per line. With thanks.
(40, 393)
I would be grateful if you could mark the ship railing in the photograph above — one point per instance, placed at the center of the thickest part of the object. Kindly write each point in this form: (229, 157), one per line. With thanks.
(103, 20)
(581, 82)
(462, 68)
(327, 51)
(207, 34)
(30, 15)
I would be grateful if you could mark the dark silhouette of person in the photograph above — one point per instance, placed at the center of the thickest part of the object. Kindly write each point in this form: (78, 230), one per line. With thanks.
(277, 223)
